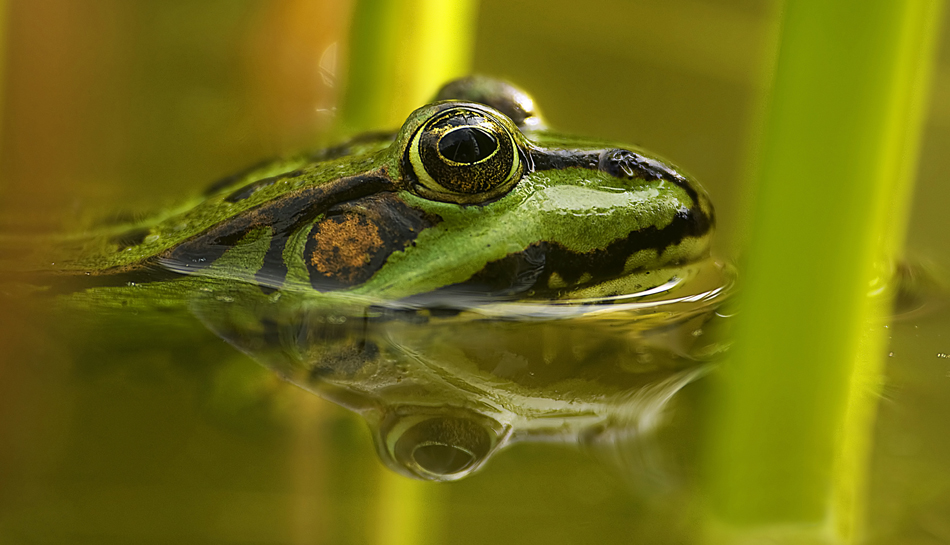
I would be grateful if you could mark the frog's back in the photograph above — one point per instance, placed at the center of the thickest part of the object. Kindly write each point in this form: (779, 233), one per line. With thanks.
(119, 247)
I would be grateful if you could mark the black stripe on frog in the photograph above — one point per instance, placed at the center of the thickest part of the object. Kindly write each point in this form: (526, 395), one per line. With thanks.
(619, 163)
(531, 270)
(283, 216)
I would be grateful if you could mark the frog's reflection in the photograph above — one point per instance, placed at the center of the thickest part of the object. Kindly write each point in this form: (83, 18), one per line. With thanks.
(437, 443)
(443, 389)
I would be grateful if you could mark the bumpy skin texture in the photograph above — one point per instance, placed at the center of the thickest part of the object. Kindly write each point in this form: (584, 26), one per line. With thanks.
(540, 216)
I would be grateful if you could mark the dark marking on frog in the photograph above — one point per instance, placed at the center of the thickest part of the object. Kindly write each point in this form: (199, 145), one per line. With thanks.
(346, 148)
(129, 238)
(619, 163)
(530, 270)
(609, 262)
(505, 278)
(253, 187)
(558, 159)
(283, 215)
(325, 154)
(511, 275)
(354, 239)
(65, 282)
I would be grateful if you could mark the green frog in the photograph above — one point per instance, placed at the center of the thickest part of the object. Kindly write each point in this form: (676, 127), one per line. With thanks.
(466, 282)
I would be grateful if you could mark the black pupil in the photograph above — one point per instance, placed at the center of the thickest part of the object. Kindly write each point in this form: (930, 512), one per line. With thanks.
(467, 145)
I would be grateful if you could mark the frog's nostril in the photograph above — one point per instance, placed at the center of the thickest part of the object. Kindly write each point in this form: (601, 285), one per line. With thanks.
(622, 163)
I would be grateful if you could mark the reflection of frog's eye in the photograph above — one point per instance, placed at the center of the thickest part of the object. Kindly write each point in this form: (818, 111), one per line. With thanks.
(437, 447)
(464, 155)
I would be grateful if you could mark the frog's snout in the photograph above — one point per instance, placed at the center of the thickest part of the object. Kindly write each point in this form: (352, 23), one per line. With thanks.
(436, 447)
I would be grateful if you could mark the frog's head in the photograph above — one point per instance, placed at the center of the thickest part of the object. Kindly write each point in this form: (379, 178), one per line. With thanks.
(513, 210)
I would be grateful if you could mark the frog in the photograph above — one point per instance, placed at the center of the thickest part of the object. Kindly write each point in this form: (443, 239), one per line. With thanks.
(468, 281)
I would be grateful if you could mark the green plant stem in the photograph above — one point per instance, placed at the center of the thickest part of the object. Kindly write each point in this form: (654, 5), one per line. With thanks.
(400, 53)
(794, 403)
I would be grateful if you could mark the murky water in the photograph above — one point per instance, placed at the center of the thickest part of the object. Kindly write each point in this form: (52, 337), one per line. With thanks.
(152, 428)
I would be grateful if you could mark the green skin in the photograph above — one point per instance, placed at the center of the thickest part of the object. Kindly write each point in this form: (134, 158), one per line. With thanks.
(603, 221)
(580, 209)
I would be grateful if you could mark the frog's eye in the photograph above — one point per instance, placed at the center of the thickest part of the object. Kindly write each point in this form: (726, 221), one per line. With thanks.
(464, 155)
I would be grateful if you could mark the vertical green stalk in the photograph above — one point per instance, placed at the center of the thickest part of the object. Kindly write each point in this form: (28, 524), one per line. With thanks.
(400, 53)
(795, 402)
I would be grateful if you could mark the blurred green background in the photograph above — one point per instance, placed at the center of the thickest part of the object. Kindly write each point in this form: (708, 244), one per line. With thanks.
(156, 431)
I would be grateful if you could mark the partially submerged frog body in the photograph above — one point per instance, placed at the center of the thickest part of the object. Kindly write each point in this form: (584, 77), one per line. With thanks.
(468, 281)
